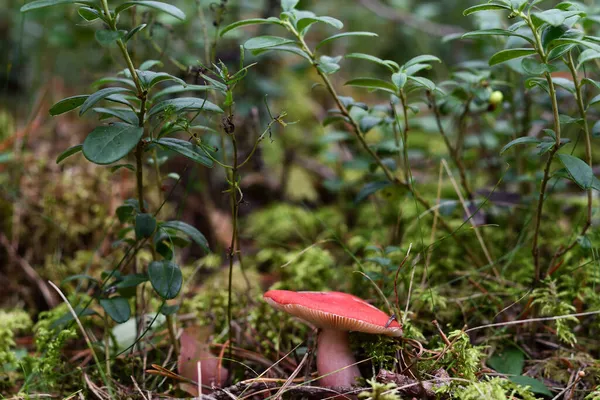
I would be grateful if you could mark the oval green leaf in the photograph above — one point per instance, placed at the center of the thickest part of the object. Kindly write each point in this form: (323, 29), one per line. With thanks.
(107, 144)
(117, 308)
(99, 95)
(341, 35)
(264, 42)
(68, 104)
(510, 54)
(69, 152)
(189, 230)
(166, 278)
(157, 5)
(184, 104)
(580, 172)
(145, 225)
(246, 22)
(187, 149)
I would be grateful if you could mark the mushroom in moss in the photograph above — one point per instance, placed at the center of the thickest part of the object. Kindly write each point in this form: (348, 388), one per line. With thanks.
(335, 314)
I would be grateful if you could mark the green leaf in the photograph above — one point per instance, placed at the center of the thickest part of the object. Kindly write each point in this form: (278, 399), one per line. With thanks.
(587, 55)
(184, 104)
(132, 32)
(107, 144)
(68, 153)
(189, 230)
(344, 34)
(68, 104)
(399, 79)
(495, 32)
(246, 22)
(509, 361)
(117, 167)
(510, 54)
(368, 122)
(534, 67)
(117, 308)
(131, 280)
(594, 101)
(36, 5)
(423, 82)
(151, 78)
(166, 279)
(485, 7)
(89, 14)
(596, 129)
(554, 17)
(149, 64)
(145, 225)
(304, 23)
(124, 114)
(182, 88)
(521, 140)
(372, 83)
(369, 189)
(264, 42)
(99, 95)
(584, 43)
(425, 58)
(289, 5)
(108, 37)
(581, 173)
(377, 60)
(534, 385)
(187, 149)
(288, 48)
(169, 310)
(413, 69)
(157, 5)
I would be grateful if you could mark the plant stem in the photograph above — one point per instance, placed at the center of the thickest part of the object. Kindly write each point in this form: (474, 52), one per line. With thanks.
(588, 155)
(538, 219)
(535, 251)
(172, 334)
(234, 239)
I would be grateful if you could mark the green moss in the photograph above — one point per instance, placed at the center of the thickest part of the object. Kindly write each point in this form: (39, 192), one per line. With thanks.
(554, 301)
(284, 224)
(49, 369)
(11, 322)
(382, 350)
(310, 269)
(461, 357)
(380, 391)
(492, 389)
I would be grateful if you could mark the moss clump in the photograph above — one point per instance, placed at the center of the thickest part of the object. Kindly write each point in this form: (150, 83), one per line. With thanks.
(380, 391)
(11, 322)
(462, 358)
(49, 369)
(493, 389)
(382, 350)
(283, 224)
(310, 269)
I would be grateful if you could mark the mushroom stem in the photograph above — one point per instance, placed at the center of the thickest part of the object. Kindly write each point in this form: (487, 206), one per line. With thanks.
(333, 354)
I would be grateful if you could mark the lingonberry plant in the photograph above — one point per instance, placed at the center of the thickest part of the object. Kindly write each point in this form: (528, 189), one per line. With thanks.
(146, 120)
(545, 41)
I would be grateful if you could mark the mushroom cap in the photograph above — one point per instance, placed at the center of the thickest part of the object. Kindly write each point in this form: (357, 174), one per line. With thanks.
(334, 310)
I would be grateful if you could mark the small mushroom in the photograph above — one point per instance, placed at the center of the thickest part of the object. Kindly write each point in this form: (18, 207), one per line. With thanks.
(335, 313)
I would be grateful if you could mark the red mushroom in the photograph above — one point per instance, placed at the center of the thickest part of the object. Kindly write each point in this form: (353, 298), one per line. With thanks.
(335, 313)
